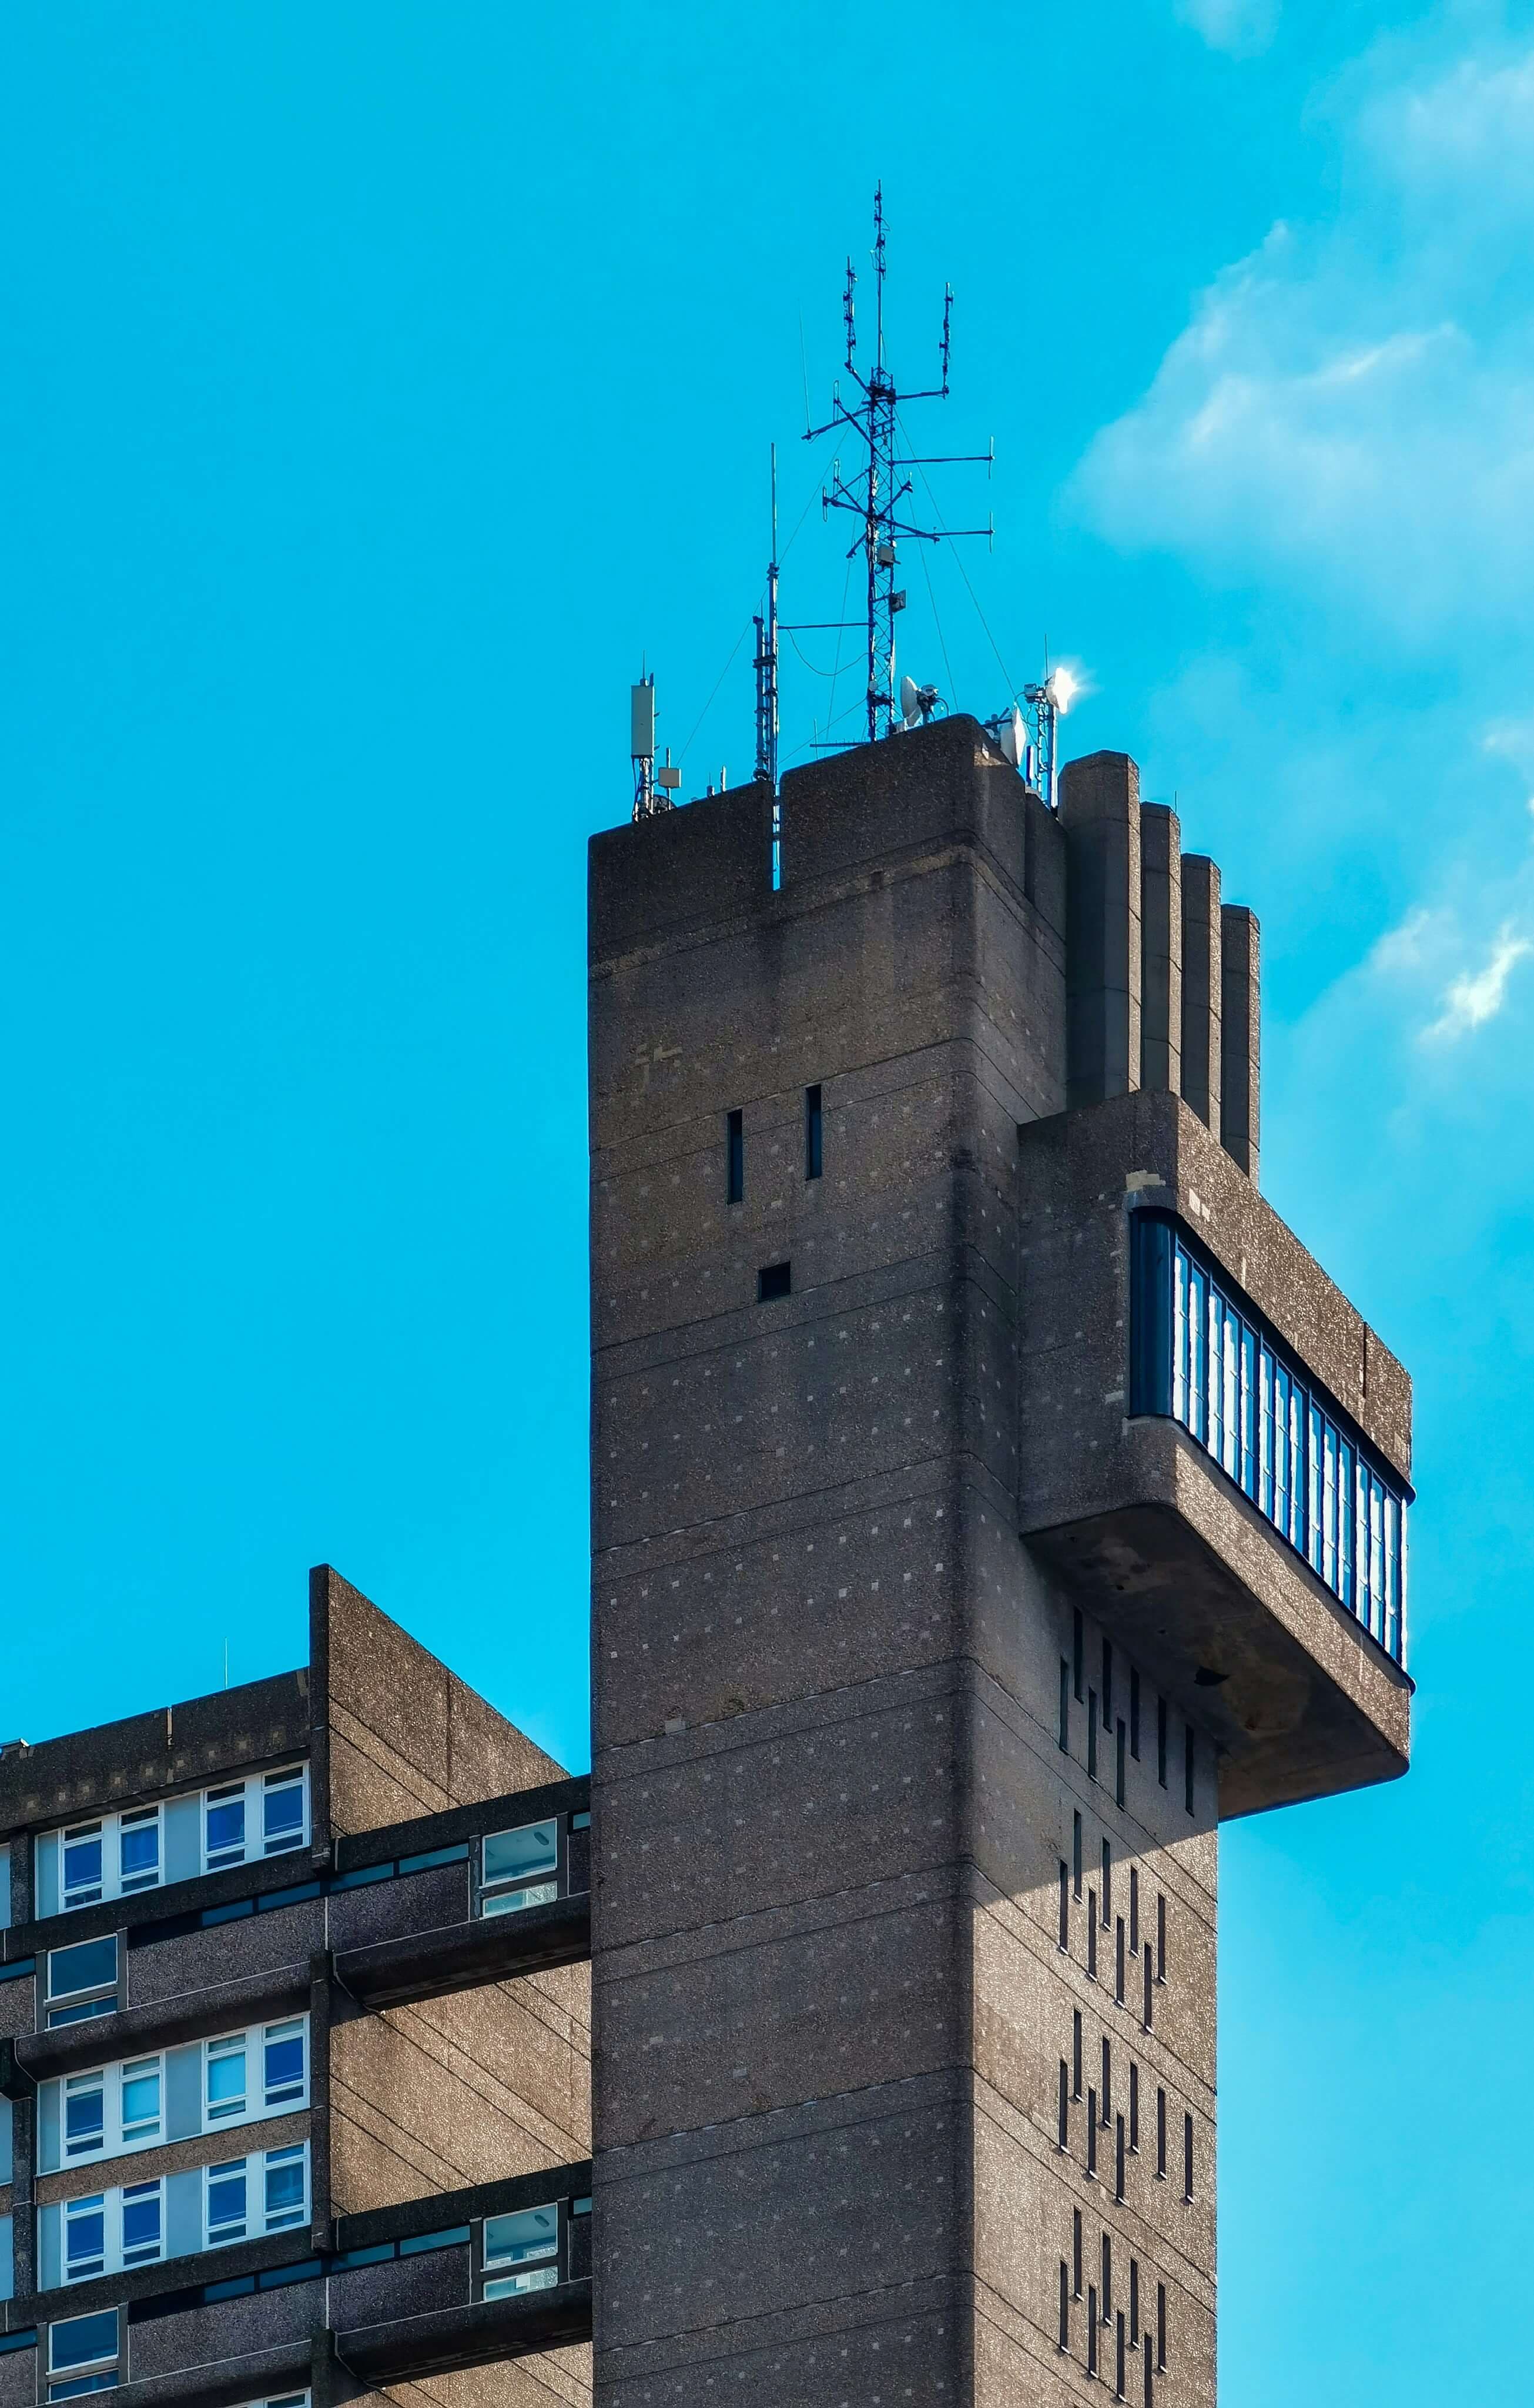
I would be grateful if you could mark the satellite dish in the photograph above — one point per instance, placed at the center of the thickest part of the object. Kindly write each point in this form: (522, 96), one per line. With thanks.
(917, 703)
(1014, 737)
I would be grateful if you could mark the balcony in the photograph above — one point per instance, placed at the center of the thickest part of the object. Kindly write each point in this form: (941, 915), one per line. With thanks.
(1215, 1448)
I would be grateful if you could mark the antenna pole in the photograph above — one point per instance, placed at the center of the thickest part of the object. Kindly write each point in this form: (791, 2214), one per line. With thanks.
(767, 659)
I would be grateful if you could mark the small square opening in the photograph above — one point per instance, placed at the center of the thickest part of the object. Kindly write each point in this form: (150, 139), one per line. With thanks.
(773, 1280)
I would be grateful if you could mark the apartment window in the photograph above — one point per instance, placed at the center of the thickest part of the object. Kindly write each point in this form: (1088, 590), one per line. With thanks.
(735, 1152)
(84, 2115)
(1134, 1712)
(112, 2108)
(274, 2053)
(520, 2252)
(1064, 1904)
(1160, 2134)
(264, 1815)
(82, 2354)
(224, 2099)
(1062, 2130)
(1161, 1740)
(1107, 1684)
(1121, 1769)
(1075, 1852)
(1134, 2109)
(1187, 1765)
(249, 2196)
(284, 2076)
(1078, 1652)
(110, 1857)
(519, 1868)
(82, 1981)
(1091, 1734)
(812, 1133)
(107, 2231)
(1187, 2156)
(1063, 1733)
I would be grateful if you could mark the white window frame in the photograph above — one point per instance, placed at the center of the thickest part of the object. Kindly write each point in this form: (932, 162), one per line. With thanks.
(258, 2107)
(116, 2260)
(109, 1827)
(99, 1997)
(115, 2141)
(256, 2221)
(253, 1788)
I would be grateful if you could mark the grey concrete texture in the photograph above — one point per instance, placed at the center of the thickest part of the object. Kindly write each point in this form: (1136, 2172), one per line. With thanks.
(466, 2089)
(397, 1734)
(553, 2378)
(1203, 989)
(1161, 948)
(1240, 1036)
(1100, 813)
(175, 1747)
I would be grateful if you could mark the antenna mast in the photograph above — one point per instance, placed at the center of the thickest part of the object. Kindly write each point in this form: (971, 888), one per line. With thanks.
(876, 491)
(767, 659)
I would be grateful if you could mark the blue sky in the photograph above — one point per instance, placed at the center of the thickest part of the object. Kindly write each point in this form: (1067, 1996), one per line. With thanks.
(379, 384)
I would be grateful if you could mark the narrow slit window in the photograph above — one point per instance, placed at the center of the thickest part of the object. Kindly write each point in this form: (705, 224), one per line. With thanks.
(1091, 2328)
(1188, 1746)
(1065, 2306)
(1077, 1649)
(1150, 2394)
(1121, 1766)
(1134, 2109)
(774, 1279)
(1148, 2005)
(1064, 1904)
(1107, 1684)
(1076, 1852)
(1119, 2362)
(1134, 2300)
(1065, 1707)
(735, 1152)
(1106, 2079)
(1160, 2133)
(1119, 2150)
(1161, 2328)
(1091, 1734)
(1119, 1960)
(1134, 1909)
(812, 1133)
(1076, 2254)
(1092, 2136)
(1107, 1883)
(1161, 1936)
(1092, 1935)
(1076, 2053)
(1062, 2136)
(1107, 2302)
(1134, 1712)
(1187, 2158)
(1161, 1740)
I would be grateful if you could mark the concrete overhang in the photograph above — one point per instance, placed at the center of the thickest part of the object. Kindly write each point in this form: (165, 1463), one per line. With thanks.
(1131, 1515)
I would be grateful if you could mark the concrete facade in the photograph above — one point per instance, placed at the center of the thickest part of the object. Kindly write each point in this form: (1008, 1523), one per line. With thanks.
(909, 1749)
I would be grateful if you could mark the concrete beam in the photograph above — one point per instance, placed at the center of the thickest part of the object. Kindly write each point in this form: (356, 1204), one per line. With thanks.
(1240, 1011)
(1099, 811)
(1201, 988)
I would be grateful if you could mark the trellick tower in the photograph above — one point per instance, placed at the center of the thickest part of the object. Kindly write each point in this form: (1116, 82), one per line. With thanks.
(991, 1495)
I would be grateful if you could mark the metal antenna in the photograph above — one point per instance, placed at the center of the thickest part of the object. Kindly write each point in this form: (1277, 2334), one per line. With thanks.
(654, 790)
(876, 491)
(767, 659)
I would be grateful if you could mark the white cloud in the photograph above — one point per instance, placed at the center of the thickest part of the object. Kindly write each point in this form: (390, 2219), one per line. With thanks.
(1354, 403)
(1241, 27)
(1476, 997)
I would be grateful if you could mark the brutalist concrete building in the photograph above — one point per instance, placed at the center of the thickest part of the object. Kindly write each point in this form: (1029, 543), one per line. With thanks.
(990, 1494)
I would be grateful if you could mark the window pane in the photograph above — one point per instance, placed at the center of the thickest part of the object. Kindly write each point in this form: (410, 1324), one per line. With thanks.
(139, 1851)
(226, 2201)
(85, 2236)
(282, 1810)
(284, 2054)
(140, 2224)
(140, 2099)
(84, 2115)
(90, 1966)
(82, 1863)
(226, 1822)
(82, 2341)
(516, 2239)
(515, 1855)
(284, 2188)
(226, 2078)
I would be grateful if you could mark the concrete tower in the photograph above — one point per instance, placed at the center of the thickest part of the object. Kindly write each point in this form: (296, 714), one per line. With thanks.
(990, 1494)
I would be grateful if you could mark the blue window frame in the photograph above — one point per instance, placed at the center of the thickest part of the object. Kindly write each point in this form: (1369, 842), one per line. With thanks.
(1199, 1355)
